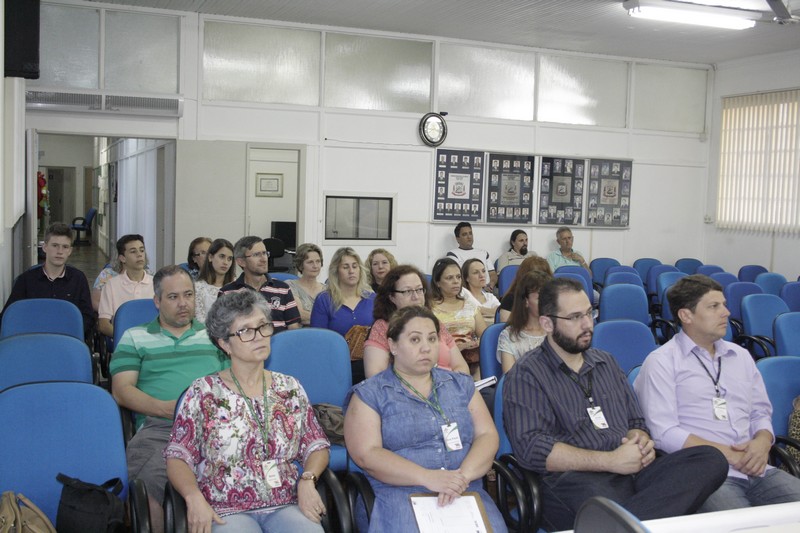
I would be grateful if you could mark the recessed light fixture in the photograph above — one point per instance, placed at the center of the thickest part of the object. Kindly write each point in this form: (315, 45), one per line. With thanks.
(687, 13)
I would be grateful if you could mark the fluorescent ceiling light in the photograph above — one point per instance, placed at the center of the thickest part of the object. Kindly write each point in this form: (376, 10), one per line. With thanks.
(686, 13)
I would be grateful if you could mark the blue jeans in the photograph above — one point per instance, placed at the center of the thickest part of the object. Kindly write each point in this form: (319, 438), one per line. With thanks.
(287, 518)
(775, 487)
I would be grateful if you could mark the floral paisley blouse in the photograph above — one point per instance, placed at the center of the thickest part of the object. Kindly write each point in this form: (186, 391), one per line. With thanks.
(215, 434)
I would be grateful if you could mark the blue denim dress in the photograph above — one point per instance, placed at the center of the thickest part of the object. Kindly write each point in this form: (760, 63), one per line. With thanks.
(413, 430)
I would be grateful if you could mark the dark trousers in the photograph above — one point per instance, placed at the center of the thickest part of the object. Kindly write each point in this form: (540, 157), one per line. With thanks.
(673, 485)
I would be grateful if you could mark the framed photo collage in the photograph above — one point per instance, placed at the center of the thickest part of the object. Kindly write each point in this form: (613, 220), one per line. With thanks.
(527, 189)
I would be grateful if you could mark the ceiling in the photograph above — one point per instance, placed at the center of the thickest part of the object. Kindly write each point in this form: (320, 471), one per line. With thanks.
(589, 26)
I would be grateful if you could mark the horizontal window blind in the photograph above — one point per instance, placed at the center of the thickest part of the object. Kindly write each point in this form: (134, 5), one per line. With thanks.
(759, 180)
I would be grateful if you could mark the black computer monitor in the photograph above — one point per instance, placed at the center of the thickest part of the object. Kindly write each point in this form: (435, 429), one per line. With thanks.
(285, 231)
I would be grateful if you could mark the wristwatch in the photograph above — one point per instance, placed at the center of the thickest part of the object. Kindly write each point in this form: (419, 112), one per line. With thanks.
(310, 476)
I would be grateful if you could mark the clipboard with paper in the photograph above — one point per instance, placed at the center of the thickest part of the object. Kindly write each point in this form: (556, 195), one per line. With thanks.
(465, 515)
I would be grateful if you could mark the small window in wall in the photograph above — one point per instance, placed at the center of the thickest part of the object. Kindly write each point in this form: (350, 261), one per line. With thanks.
(358, 218)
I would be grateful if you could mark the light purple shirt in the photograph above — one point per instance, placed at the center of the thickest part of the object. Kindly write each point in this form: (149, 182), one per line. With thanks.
(676, 395)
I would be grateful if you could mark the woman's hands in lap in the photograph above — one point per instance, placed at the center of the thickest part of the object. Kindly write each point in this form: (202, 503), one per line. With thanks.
(309, 501)
(450, 484)
(200, 514)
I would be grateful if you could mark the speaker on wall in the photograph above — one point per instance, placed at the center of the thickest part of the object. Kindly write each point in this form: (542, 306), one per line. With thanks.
(22, 39)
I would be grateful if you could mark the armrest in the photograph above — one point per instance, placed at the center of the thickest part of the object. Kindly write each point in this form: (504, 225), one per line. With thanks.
(779, 451)
(76, 219)
(329, 485)
(357, 485)
(174, 511)
(667, 328)
(508, 482)
(138, 506)
(530, 483)
(750, 341)
(128, 424)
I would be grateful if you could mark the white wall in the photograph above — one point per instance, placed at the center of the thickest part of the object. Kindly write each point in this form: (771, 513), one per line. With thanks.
(728, 248)
(68, 151)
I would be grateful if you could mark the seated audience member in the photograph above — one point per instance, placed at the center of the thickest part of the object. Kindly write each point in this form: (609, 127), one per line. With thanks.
(379, 262)
(462, 317)
(251, 256)
(348, 301)
(215, 273)
(572, 418)
(473, 275)
(151, 366)
(196, 258)
(565, 255)
(134, 283)
(55, 278)
(404, 286)
(531, 264)
(465, 239)
(690, 398)
(308, 264)
(518, 251)
(524, 333)
(237, 467)
(113, 269)
(394, 422)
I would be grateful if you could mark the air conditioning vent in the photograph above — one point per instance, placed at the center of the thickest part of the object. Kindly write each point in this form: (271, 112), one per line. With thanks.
(103, 103)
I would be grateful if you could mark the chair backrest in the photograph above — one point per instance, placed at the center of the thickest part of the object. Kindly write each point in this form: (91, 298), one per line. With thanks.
(133, 313)
(734, 294)
(624, 301)
(318, 358)
(688, 265)
(63, 427)
(791, 295)
(749, 272)
(42, 315)
(615, 278)
(505, 444)
(707, 270)
(651, 283)
(643, 265)
(771, 282)
(34, 357)
(781, 376)
(624, 268)
(505, 278)
(490, 366)
(723, 278)
(634, 372)
(667, 280)
(786, 332)
(628, 341)
(599, 266)
(581, 274)
(601, 514)
(283, 276)
(90, 216)
(759, 312)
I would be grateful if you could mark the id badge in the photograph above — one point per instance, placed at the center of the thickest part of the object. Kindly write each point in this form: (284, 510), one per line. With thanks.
(271, 473)
(720, 406)
(452, 440)
(597, 416)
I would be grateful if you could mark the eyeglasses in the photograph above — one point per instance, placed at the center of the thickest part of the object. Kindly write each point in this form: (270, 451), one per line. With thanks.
(249, 334)
(259, 255)
(409, 292)
(199, 254)
(576, 317)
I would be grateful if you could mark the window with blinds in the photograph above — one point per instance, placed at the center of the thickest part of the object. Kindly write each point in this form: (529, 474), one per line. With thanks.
(759, 172)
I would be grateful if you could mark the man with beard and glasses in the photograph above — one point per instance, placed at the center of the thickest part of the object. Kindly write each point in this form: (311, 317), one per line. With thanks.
(573, 419)
(518, 251)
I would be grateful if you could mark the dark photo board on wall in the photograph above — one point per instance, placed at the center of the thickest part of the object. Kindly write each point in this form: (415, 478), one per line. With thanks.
(458, 187)
(561, 191)
(510, 188)
(609, 199)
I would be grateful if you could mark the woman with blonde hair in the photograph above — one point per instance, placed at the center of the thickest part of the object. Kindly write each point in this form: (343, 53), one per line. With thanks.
(379, 262)
(308, 264)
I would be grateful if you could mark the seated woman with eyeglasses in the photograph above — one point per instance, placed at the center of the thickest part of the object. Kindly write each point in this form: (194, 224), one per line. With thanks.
(239, 433)
(198, 250)
(404, 286)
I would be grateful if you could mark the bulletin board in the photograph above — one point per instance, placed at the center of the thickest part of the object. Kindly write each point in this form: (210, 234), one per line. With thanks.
(510, 188)
(561, 191)
(609, 198)
(458, 187)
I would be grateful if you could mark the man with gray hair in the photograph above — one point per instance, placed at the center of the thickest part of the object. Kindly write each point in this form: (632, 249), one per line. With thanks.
(152, 365)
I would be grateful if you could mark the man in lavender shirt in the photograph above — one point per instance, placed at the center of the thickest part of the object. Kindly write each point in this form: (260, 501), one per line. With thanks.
(698, 389)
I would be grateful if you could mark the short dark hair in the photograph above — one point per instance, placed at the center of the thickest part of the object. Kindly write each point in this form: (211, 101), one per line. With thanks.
(405, 315)
(384, 307)
(58, 229)
(167, 272)
(548, 295)
(244, 245)
(438, 269)
(460, 226)
(514, 234)
(688, 291)
(123, 242)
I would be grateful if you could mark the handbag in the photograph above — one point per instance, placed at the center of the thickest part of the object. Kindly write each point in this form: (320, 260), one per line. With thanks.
(356, 336)
(331, 420)
(794, 428)
(89, 508)
(20, 515)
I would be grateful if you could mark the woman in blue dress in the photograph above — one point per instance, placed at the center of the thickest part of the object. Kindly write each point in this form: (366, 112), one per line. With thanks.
(416, 428)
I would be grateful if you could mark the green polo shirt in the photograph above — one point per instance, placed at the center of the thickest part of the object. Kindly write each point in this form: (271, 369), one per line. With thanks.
(166, 364)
